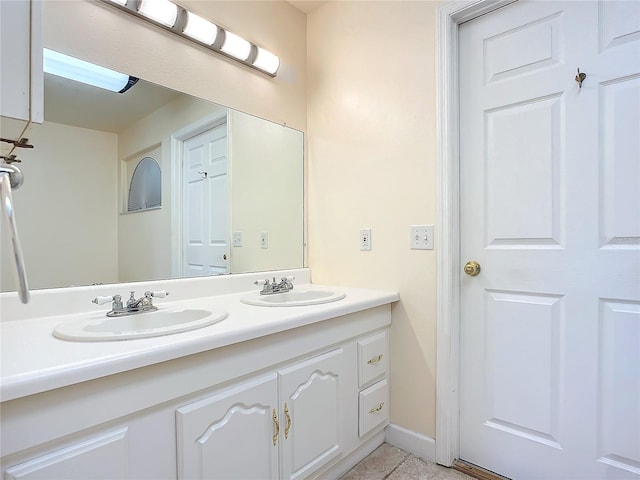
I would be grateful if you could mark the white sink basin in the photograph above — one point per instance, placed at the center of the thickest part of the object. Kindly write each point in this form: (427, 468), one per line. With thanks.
(142, 325)
(293, 298)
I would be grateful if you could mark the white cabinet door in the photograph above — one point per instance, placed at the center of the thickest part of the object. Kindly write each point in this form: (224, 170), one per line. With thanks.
(311, 395)
(21, 78)
(231, 434)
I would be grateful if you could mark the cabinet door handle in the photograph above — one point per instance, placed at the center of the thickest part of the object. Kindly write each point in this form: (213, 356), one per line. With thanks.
(375, 360)
(377, 409)
(288, 427)
(277, 428)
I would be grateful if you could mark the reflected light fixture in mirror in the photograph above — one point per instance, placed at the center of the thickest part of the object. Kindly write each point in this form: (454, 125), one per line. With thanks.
(186, 24)
(78, 70)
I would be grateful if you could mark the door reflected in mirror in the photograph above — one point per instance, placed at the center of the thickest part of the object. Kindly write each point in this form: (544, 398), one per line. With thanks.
(227, 181)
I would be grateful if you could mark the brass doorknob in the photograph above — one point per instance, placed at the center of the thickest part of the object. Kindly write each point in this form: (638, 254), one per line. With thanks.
(472, 268)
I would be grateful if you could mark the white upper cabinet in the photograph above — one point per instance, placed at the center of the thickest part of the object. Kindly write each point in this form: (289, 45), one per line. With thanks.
(21, 76)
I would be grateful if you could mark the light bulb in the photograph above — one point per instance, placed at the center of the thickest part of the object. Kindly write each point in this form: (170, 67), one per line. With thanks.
(267, 61)
(200, 29)
(236, 46)
(161, 11)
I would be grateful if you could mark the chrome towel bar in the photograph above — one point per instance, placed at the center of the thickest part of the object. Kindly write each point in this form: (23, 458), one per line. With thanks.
(11, 177)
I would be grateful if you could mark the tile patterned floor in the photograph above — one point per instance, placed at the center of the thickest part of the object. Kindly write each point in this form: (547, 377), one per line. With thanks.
(391, 463)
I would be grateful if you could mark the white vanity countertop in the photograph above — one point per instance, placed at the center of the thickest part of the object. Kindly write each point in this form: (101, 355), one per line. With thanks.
(34, 361)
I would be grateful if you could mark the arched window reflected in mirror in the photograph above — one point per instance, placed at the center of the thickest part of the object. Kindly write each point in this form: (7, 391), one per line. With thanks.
(144, 190)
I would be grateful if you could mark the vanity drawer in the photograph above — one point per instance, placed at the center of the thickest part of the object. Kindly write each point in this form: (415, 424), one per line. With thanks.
(374, 407)
(373, 357)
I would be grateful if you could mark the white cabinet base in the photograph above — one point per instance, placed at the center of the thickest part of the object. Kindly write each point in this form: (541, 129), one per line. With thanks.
(207, 415)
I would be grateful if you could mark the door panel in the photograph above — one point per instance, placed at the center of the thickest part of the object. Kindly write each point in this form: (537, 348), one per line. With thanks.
(620, 162)
(619, 366)
(550, 208)
(206, 204)
(524, 401)
(523, 49)
(523, 173)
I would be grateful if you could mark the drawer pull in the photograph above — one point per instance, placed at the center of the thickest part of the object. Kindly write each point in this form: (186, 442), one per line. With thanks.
(377, 409)
(277, 427)
(375, 360)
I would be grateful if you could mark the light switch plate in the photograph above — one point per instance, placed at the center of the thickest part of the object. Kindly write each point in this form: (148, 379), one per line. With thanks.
(237, 239)
(365, 239)
(421, 237)
(264, 239)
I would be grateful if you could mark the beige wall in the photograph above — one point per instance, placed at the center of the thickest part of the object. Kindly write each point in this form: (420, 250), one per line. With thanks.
(371, 124)
(266, 193)
(100, 33)
(47, 209)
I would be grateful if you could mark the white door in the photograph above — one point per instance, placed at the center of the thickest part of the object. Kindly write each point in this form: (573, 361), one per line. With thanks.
(550, 208)
(206, 204)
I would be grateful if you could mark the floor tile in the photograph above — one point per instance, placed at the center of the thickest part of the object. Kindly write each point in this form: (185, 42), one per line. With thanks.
(378, 465)
(415, 468)
(388, 462)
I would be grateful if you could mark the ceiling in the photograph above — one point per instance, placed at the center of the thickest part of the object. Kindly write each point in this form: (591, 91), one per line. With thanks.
(81, 105)
(307, 6)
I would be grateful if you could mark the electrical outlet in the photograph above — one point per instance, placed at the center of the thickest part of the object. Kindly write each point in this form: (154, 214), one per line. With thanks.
(237, 239)
(264, 240)
(421, 237)
(365, 239)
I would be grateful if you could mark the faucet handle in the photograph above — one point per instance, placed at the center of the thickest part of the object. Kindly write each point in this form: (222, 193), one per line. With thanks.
(158, 293)
(261, 282)
(102, 300)
(117, 301)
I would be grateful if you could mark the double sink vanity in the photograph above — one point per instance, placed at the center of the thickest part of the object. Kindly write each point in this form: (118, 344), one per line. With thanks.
(219, 382)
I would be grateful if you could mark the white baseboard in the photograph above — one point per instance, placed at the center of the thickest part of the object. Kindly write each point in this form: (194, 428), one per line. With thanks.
(415, 443)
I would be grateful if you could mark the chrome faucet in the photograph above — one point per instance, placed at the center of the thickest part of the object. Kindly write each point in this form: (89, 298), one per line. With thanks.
(269, 288)
(133, 306)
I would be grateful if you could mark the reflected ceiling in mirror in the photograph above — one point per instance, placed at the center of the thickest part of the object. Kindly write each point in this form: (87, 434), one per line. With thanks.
(228, 180)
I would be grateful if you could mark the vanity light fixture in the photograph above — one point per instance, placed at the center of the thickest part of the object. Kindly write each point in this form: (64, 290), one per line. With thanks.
(180, 21)
(62, 65)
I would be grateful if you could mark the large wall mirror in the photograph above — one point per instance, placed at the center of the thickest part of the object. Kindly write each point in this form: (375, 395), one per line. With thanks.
(231, 189)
